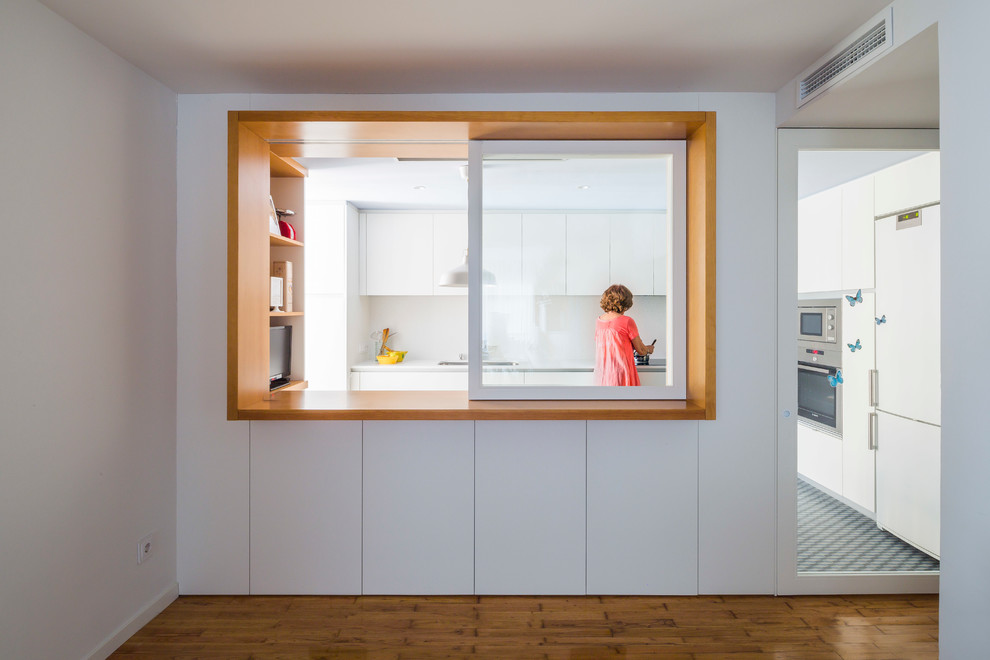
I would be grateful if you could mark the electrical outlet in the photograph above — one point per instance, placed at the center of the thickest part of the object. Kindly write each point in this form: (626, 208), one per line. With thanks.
(146, 548)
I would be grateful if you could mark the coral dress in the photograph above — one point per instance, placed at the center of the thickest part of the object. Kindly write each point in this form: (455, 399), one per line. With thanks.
(614, 361)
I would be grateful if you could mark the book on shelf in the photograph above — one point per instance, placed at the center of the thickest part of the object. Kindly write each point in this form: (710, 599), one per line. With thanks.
(283, 269)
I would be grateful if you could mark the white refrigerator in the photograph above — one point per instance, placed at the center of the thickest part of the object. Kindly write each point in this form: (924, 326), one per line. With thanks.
(906, 385)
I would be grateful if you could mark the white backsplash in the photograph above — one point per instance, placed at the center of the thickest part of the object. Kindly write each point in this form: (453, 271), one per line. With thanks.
(524, 329)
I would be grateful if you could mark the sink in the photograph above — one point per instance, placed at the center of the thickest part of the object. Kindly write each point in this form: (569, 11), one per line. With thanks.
(485, 363)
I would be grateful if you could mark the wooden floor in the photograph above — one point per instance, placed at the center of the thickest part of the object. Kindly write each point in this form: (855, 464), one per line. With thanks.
(572, 628)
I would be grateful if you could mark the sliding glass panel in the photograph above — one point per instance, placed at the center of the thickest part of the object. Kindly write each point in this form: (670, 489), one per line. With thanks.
(553, 226)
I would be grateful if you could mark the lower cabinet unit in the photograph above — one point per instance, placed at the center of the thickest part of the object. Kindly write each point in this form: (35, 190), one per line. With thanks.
(530, 507)
(418, 507)
(305, 521)
(642, 507)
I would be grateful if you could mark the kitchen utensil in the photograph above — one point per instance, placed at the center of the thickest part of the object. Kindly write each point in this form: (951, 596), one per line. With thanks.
(384, 341)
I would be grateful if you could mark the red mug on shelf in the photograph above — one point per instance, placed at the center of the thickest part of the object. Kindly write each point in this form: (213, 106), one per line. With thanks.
(287, 230)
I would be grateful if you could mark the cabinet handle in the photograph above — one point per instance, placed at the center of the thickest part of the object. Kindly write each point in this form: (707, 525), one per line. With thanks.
(874, 388)
(871, 442)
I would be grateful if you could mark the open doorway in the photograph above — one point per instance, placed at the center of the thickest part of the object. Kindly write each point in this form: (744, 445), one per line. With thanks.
(858, 365)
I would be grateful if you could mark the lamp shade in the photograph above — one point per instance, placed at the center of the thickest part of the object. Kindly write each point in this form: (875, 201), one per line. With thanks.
(458, 275)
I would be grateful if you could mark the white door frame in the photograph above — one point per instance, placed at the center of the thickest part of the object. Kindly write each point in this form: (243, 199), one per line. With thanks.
(789, 143)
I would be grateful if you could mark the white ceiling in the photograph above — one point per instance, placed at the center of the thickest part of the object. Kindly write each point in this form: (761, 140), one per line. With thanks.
(460, 46)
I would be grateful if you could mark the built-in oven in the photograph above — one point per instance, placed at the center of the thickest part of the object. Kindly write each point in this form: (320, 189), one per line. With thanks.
(818, 321)
(819, 390)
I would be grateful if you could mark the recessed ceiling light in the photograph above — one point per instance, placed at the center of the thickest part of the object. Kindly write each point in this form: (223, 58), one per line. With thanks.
(419, 187)
(584, 187)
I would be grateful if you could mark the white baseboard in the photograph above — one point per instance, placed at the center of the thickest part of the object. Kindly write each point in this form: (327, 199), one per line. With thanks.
(872, 515)
(135, 623)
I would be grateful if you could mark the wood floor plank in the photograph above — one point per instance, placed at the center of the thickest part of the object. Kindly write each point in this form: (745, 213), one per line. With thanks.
(875, 627)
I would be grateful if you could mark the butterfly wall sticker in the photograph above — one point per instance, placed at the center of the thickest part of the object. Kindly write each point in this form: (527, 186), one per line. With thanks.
(855, 347)
(882, 319)
(858, 298)
(836, 379)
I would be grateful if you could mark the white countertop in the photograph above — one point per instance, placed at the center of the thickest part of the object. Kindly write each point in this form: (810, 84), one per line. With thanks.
(656, 365)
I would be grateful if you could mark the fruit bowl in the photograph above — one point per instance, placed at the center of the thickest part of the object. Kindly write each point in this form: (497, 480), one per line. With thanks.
(387, 359)
(400, 355)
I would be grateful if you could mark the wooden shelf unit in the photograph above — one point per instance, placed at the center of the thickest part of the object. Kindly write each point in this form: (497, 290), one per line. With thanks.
(275, 239)
(262, 144)
(274, 314)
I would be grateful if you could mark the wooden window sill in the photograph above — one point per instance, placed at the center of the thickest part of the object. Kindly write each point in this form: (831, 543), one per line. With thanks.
(314, 405)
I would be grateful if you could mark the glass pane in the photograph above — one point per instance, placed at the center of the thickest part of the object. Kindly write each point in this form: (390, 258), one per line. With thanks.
(557, 231)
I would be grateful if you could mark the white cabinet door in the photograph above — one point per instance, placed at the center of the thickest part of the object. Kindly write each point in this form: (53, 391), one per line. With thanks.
(820, 242)
(582, 378)
(399, 254)
(450, 240)
(908, 184)
(413, 380)
(908, 480)
(305, 507)
(544, 237)
(502, 252)
(631, 245)
(642, 507)
(418, 507)
(820, 458)
(908, 295)
(588, 254)
(530, 507)
(857, 234)
(858, 465)
(660, 257)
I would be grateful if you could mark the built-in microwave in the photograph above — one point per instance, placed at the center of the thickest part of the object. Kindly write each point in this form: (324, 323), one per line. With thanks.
(818, 321)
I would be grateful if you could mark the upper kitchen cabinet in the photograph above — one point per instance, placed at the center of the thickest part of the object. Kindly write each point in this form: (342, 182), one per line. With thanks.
(908, 185)
(661, 264)
(820, 242)
(502, 253)
(588, 254)
(544, 253)
(631, 247)
(450, 240)
(857, 234)
(399, 254)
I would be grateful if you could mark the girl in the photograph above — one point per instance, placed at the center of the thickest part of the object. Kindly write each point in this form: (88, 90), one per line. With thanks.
(616, 336)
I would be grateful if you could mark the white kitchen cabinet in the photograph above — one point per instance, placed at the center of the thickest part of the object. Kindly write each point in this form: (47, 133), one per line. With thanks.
(631, 245)
(530, 507)
(418, 507)
(642, 507)
(399, 254)
(660, 256)
(544, 254)
(657, 378)
(857, 234)
(502, 252)
(820, 242)
(820, 457)
(409, 380)
(908, 480)
(560, 378)
(450, 241)
(858, 465)
(908, 294)
(588, 253)
(909, 184)
(305, 491)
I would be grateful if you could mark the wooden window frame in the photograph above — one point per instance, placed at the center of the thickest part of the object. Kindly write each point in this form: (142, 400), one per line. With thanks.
(257, 139)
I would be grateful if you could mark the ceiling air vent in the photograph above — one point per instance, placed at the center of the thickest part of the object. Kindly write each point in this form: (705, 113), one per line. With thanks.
(851, 55)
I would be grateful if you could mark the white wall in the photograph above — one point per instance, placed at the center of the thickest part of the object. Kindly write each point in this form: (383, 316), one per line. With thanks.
(87, 260)
(965, 599)
(736, 452)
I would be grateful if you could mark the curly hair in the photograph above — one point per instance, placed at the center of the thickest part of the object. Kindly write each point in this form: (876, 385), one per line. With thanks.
(617, 298)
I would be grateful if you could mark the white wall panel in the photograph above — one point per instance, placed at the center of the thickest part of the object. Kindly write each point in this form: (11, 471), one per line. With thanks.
(530, 507)
(642, 507)
(306, 507)
(418, 507)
